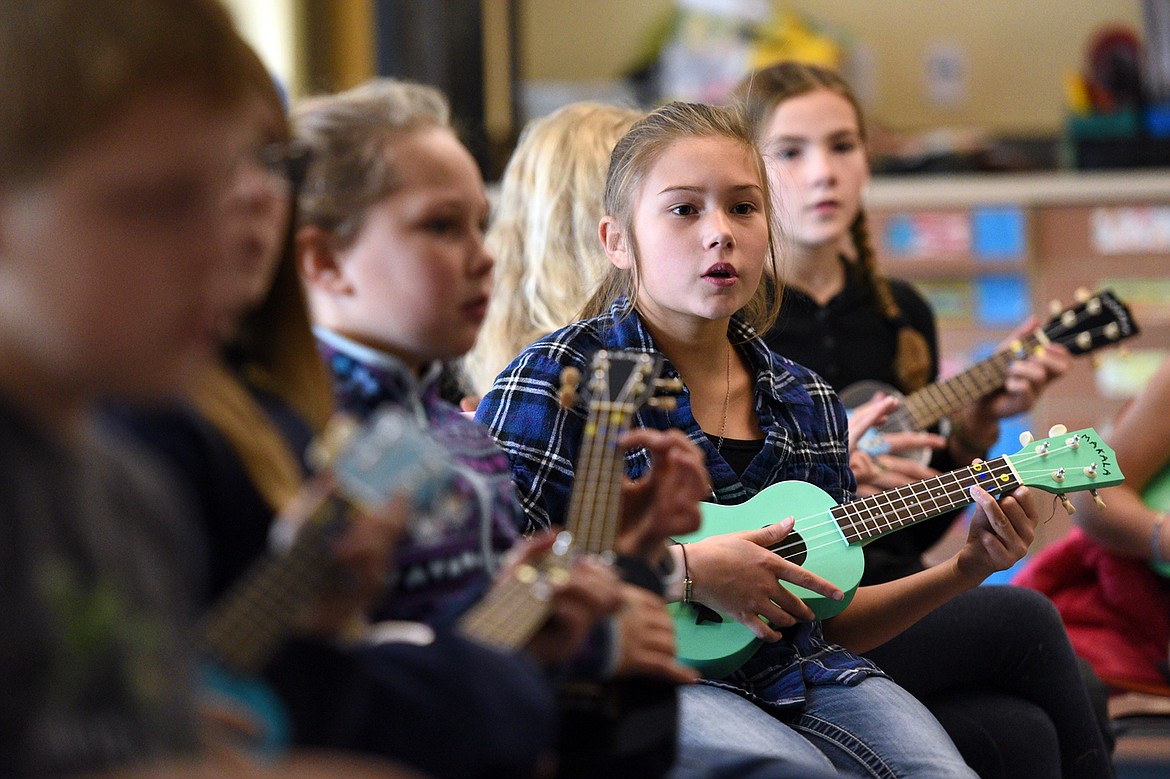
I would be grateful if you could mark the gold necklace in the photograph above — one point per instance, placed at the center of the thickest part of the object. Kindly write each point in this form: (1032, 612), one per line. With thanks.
(726, 402)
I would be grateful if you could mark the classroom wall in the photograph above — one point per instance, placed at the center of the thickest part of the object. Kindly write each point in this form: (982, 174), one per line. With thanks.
(311, 46)
(271, 26)
(1015, 53)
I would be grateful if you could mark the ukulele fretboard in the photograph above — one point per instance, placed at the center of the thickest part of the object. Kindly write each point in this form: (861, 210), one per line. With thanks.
(933, 402)
(512, 611)
(894, 509)
(246, 627)
(596, 500)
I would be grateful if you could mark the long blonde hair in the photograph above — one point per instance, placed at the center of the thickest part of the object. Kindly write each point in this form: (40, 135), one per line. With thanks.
(631, 162)
(759, 94)
(273, 351)
(543, 232)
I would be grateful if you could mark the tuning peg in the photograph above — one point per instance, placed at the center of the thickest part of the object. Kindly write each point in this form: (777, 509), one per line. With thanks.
(1082, 294)
(1091, 470)
(562, 543)
(324, 449)
(1084, 340)
(663, 404)
(1097, 499)
(567, 395)
(1112, 331)
(1026, 438)
(1068, 506)
(1056, 430)
(1055, 307)
(669, 386)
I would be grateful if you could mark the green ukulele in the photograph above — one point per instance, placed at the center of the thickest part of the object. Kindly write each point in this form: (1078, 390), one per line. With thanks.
(827, 538)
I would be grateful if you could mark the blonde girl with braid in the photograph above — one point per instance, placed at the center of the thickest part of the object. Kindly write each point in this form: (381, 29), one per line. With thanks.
(975, 660)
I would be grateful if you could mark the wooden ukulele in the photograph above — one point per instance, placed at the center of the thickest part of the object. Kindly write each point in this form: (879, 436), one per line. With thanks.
(627, 726)
(357, 467)
(1097, 321)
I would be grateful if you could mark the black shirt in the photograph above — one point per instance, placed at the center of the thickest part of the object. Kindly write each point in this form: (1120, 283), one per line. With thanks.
(737, 453)
(849, 339)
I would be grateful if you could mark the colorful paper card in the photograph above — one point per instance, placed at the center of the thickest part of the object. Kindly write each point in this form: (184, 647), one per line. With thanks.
(1130, 230)
(1148, 298)
(927, 234)
(999, 233)
(1122, 375)
(1002, 300)
(949, 298)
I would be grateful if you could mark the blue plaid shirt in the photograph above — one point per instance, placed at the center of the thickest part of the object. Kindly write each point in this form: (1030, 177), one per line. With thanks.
(805, 440)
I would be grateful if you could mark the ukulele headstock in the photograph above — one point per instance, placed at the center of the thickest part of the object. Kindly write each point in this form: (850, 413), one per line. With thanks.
(619, 382)
(1066, 462)
(391, 453)
(1097, 320)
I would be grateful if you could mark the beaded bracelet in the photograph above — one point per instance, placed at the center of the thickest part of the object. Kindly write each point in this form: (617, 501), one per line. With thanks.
(1156, 541)
(687, 583)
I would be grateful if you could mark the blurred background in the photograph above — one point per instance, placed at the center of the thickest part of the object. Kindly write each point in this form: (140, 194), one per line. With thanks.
(996, 84)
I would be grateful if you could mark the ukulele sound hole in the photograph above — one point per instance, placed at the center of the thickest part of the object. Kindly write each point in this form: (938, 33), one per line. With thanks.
(792, 548)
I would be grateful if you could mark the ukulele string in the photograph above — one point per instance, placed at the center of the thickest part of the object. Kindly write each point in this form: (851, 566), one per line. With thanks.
(948, 492)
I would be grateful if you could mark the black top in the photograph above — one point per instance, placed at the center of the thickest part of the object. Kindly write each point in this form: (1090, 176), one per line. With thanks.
(393, 699)
(738, 453)
(234, 517)
(849, 340)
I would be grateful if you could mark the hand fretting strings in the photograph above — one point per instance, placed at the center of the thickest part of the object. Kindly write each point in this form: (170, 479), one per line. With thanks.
(513, 611)
(897, 508)
(930, 404)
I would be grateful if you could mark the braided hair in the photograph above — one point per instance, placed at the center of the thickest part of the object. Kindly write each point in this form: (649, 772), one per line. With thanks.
(912, 358)
(759, 94)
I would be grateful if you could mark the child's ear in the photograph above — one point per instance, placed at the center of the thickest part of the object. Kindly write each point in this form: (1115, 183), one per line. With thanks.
(614, 241)
(318, 263)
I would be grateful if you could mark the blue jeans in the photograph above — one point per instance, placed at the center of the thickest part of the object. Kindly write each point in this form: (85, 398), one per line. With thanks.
(874, 729)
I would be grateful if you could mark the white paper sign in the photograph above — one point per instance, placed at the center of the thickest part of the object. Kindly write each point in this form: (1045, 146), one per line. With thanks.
(1130, 230)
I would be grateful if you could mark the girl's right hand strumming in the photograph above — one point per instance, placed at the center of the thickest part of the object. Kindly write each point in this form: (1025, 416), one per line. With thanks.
(736, 575)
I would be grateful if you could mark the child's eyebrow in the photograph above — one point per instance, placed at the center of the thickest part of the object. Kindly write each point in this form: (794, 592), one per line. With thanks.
(844, 132)
(787, 139)
(691, 188)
